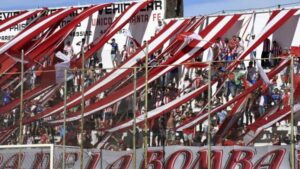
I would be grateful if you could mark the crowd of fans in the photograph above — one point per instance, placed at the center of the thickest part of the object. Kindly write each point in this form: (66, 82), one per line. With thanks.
(176, 83)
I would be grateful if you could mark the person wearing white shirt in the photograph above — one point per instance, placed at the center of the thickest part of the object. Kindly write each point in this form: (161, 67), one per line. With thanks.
(68, 50)
(160, 26)
(261, 104)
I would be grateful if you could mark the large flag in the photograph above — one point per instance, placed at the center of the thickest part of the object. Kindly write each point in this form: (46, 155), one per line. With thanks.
(259, 125)
(189, 36)
(9, 22)
(128, 34)
(113, 77)
(203, 116)
(277, 19)
(190, 51)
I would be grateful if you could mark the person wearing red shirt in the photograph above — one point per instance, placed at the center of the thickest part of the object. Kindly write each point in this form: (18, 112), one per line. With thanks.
(188, 132)
(285, 98)
(233, 45)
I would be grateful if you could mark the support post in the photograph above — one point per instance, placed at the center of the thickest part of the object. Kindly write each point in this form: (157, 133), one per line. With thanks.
(134, 117)
(292, 113)
(82, 103)
(21, 107)
(146, 108)
(65, 115)
(209, 117)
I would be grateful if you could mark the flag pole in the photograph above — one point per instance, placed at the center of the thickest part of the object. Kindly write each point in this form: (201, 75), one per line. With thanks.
(82, 103)
(134, 118)
(65, 115)
(146, 108)
(292, 112)
(21, 107)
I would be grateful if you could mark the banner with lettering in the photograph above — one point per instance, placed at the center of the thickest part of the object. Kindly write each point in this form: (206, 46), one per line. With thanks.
(175, 157)
(96, 25)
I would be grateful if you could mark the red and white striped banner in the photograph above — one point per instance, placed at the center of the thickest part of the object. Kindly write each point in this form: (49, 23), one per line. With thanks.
(27, 35)
(276, 20)
(274, 23)
(232, 117)
(258, 126)
(116, 26)
(63, 32)
(9, 22)
(116, 75)
(217, 28)
(203, 116)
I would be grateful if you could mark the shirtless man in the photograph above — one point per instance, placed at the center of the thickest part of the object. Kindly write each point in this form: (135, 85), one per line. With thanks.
(171, 128)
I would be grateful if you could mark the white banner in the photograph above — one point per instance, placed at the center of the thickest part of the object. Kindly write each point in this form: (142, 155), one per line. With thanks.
(175, 157)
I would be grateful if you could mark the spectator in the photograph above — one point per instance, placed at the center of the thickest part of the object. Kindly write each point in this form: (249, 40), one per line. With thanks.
(44, 138)
(132, 48)
(221, 116)
(230, 86)
(284, 74)
(276, 97)
(114, 52)
(265, 54)
(233, 45)
(108, 116)
(162, 131)
(238, 75)
(276, 140)
(7, 96)
(125, 53)
(286, 98)
(77, 81)
(263, 100)
(276, 51)
(171, 128)
(188, 132)
(240, 50)
(160, 25)
(68, 50)
(251, 73)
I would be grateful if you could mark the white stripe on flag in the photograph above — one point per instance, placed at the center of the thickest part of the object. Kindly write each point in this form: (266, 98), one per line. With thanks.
(16, 19)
